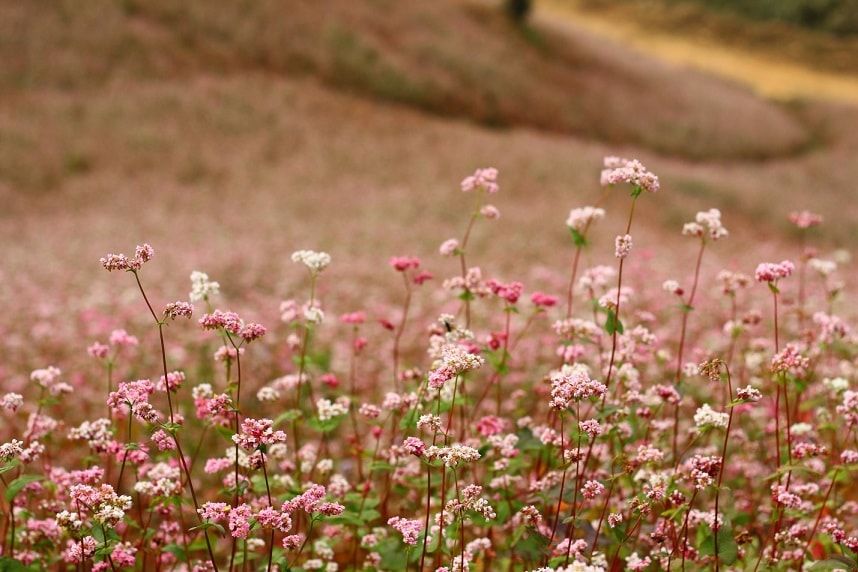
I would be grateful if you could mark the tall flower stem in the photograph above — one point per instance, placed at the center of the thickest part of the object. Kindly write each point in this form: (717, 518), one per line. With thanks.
(615, 327)
(179, 454)
(687, 307)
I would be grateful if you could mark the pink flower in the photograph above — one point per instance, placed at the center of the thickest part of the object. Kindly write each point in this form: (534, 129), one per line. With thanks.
(449, 247)
(592, 489)
(482, 180)
(239, 521)
(354, 318)
(142, 255)
(414, 446)
(257, 432)
(771, 272)
(805, 219)
(490, 425)
(403, 263)
(623, 245)
(542, 300)
(410, 529)
(178, 310)
(618, 170)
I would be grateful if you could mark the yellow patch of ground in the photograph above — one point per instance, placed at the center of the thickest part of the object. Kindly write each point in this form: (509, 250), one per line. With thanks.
(777, 79)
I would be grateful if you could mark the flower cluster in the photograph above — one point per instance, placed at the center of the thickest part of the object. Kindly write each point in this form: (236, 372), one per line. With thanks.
(632, 171)
(142, 255)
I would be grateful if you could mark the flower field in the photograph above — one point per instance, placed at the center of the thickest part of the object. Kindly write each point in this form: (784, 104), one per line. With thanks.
(612, 418)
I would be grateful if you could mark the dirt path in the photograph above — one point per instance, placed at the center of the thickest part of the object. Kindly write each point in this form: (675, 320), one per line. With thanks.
(777, 79)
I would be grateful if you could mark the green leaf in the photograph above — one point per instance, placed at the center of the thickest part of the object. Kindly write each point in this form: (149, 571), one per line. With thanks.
(613, 324)
(9, 565)
(579, 239)
(18, 485)
(8, 468)
(728, 550)
(532, 547)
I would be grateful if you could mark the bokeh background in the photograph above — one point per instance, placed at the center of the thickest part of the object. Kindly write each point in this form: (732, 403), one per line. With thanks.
(228, 134)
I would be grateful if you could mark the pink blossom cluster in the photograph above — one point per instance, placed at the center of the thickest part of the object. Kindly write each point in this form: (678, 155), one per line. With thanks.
(619, 170)
(482, 180)
(142, 255)
(772, 272)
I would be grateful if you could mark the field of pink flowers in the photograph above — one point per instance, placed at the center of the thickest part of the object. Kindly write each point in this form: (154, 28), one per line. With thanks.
(616, 419)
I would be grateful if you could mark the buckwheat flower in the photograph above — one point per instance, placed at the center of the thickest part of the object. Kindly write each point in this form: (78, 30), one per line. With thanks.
(449, 247)
(482, 180)
(267, 394)
(635, 563)
(591, 427)
(142, 255)
(822, 267)
(12, 401)
(749, 394)
(592, 489)
(293, 541)
(178, 310)
(403, 263)
(79, 550)
(615, 519)
(172, 382)
(314, 315)
(328, 409)
(618, 170)
(731, 282)
(252, 332)
(771, 272)
(220, 320)
(703, 470)
(580, 219)
(201, 287)
(410, 529)
(163, 441)
(414, 446)
(623, 245)
(455, 454)
(122, 338)
(430, 423)
(790, 360)
(706, 417)
(836, 384)
(490, 212)
(98, 350)
(805, 219)
(672, 286)
(257, 432)
(542, 300)
(11, 450)
(849, 457)
(353, 318)
(314, 261)
(239, 521)
(781, 495)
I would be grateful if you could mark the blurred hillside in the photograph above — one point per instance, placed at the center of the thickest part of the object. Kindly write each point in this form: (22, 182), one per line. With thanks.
(226, 136)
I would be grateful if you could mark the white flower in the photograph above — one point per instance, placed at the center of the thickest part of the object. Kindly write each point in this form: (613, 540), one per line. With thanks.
(202, 287)
(706, 416)
(314, 261)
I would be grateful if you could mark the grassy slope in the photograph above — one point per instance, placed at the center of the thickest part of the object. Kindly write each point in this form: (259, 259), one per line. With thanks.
(227, 147)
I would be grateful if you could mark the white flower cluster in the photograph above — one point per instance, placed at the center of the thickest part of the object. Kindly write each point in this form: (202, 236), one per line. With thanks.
(329, 409)
(453, 455)
(314, 261)
(706, 223)
(201, 287)
(581, 218)
(707, 417)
